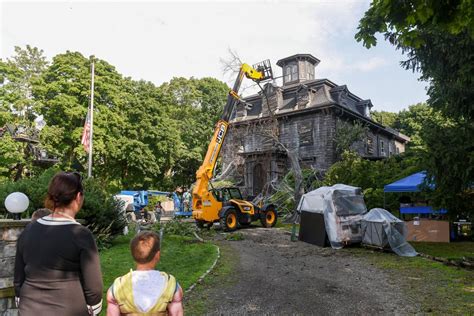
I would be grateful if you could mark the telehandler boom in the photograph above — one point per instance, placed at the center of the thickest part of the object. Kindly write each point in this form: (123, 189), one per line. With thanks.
(225, 205)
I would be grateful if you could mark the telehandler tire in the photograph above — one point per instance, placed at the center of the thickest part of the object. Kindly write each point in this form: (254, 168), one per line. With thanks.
(228, 220)
(269, 218)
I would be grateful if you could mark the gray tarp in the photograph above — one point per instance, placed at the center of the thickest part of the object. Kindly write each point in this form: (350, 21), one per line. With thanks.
(342, 206)
(380, 228)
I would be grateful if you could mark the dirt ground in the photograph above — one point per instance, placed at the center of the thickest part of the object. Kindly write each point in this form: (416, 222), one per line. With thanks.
(274, 276)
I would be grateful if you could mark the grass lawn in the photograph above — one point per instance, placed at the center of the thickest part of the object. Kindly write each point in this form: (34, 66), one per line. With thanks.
(181, 256)
(440, 289)
(198, 301)
(447, 250)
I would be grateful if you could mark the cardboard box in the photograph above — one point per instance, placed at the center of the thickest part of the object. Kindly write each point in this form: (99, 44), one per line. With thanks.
(428, 230)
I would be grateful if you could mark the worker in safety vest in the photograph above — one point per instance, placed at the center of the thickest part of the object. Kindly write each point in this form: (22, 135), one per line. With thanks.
(145, 291)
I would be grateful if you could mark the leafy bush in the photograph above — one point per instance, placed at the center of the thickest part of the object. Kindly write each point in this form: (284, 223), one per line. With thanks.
(371, 176)
(103, 236)
(99, 209)
(35, 188)
(353, 170)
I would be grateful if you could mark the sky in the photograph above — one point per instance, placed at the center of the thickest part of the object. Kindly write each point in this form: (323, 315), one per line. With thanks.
(157, 40)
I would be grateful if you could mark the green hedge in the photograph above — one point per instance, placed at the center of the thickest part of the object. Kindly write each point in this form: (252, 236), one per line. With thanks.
(100, 211)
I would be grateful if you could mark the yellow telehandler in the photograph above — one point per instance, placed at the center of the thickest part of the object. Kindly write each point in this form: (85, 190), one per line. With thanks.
(225, 205)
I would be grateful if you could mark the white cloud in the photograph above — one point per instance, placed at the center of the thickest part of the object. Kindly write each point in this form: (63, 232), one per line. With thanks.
(156, 40)
(338, 64)
(370, 64)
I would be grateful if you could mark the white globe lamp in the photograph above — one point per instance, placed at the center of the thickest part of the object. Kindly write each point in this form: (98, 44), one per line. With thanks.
(16, 203)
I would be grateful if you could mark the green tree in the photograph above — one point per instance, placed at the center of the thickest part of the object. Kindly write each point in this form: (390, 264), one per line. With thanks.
(11, 154)
(63, 93)
(197, 104)
(437, 37)
(18, 106)
(384, 117)
(411, 122)
(348, 133)
(134, 142)
(17, 76)
(144, 136)
(372, 176)
(450, 160)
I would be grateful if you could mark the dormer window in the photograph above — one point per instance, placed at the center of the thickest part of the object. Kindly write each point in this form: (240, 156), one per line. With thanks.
(291, 73)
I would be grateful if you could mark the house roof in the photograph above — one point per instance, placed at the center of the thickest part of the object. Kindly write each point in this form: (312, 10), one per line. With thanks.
(309, 57)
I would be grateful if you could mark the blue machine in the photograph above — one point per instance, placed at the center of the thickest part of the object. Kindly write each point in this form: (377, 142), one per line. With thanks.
(179, 206)
(140, 200)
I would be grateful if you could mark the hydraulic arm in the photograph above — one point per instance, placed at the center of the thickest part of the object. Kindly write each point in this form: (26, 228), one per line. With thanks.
(205, 206)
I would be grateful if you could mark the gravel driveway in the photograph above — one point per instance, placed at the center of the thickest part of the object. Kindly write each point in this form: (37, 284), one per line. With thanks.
(275, 276)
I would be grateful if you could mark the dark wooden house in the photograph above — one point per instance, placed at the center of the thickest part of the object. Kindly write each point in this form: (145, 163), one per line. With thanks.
(302, 116)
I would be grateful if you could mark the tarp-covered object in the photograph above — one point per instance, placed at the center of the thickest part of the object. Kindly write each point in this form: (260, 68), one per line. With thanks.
(381, 229)
(342, 206)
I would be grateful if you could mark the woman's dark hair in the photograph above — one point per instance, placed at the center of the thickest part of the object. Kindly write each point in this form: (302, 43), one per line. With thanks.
(62, 189)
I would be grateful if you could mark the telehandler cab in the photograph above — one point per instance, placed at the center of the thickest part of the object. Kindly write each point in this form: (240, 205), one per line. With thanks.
(225, 205)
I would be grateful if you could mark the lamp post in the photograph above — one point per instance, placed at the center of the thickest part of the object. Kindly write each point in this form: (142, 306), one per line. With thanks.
(16, 203)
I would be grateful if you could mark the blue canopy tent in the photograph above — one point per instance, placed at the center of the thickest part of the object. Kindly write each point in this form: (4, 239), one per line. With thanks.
(412, 183)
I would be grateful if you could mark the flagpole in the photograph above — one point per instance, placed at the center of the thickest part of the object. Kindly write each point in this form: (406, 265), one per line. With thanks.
(89, 170)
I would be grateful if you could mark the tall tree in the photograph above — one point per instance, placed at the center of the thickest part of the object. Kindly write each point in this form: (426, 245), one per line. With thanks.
(18, 74)
(411, 122)
(197, 104)
(437, 37)
(18, 106)
(384, 117)
(131, 143)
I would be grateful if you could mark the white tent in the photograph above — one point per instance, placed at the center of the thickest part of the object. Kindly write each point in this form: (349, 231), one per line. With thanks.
(342, 206)
(381, 229)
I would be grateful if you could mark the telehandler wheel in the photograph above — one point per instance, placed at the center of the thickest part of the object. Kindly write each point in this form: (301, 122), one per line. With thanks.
(269, 218)
(228, 220)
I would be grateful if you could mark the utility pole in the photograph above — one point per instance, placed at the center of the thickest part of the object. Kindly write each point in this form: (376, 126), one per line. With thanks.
(89, 170)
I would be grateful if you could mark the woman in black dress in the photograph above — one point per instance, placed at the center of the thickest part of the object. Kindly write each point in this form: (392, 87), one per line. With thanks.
(57, 268)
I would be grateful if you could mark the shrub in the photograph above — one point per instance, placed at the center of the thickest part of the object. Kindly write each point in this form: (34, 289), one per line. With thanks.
(35, 188)
(99, 209)
(103, 235)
